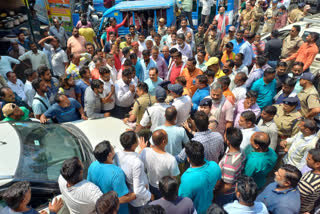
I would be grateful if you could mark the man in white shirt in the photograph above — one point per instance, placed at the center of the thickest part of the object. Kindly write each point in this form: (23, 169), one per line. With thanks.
(240, 89)
(16, 85)
(28, 89)
(141, 42)
(78, 194)
(184, 29)
(36, 57)
(59, 58)
(5, 64)
(107, 97)
(182, 46)
(128, 160)
(183, 104)
(155, 113)
(157, 162)
(125, 93)
(247, 123)
(110, 66)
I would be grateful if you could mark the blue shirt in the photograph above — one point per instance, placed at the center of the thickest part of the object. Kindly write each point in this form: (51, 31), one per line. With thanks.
(236, 45)
(145, 69)
(247, 51)
(166, 60)
(259, 164)
(198, 185)
(237, 208)
(25, 44)
(67, 114)
(53, 90)
(266, 92)
(152, 85)
(5, 65)
(139, 72)
(278, 202)
(198, 96)
(109, 177)
(80, 88)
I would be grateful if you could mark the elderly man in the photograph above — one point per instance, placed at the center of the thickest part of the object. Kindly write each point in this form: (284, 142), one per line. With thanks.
(223, 21)
(64, 110)
(58, 31)
(16, 85)
(298, 146)
(165, 54)
(161, 63)
(222, 109)
(12, 112)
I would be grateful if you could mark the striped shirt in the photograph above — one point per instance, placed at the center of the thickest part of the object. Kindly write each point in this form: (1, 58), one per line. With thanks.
(231, 166)
(309, 187)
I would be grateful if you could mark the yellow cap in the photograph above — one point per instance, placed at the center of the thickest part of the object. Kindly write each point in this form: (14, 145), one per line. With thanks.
(212, 61)
(8, 109)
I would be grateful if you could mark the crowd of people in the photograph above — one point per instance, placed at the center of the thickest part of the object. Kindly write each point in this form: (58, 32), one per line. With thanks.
(214, 115)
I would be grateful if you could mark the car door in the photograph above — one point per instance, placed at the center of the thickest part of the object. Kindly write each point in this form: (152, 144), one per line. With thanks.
(315, 66)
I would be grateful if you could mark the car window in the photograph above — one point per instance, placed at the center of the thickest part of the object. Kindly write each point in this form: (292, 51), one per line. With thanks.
(283, 34)
(43, 150)
(304, 37)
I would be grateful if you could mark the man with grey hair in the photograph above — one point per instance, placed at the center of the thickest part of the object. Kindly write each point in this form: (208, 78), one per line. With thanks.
(298, 146)
(221, 110)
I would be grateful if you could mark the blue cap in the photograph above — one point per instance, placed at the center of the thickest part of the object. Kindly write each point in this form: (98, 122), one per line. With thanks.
(176, 88)
(307, 76)
(291, 101)
(161, 94)
(205, 102)
(164, 84)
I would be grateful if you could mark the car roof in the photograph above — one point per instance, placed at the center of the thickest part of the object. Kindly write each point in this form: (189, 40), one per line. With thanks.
(97, 130)
(9, 151)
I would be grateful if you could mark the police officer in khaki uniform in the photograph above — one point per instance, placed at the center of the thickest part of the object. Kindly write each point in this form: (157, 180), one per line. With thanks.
(257, 13)
(309, 97)
(287, 117)
(246, 14)
(270, 17)
(211, 41)
(296, 14)
(145, 100)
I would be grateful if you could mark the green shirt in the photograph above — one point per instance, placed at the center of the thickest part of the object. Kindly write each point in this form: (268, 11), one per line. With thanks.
(25, 117)
(186, 5)
(259, 164)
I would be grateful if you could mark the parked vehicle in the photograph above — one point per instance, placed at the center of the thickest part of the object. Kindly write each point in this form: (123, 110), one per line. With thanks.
(34, 152)
(308, 25)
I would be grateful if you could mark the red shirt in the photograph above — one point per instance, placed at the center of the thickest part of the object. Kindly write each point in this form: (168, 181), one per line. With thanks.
(115, 29)
(175, 72)
(95, 75)
(117, 62)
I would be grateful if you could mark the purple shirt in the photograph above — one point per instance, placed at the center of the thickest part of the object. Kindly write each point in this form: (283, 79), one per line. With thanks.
(253, 76)
(162, 67)
(240, 108)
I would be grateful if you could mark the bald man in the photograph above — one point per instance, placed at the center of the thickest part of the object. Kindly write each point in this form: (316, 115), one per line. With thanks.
(261, 160)
(151, 157)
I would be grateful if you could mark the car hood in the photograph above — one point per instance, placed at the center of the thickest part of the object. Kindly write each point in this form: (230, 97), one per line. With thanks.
(97, 130)
(10, 149)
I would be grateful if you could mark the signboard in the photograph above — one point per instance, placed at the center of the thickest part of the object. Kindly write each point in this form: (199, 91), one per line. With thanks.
(41, 7)
(61, 9)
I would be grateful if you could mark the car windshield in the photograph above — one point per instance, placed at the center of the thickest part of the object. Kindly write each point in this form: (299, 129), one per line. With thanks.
(43, 150)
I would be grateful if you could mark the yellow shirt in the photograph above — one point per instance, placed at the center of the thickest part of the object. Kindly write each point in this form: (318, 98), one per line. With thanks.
(88, 33)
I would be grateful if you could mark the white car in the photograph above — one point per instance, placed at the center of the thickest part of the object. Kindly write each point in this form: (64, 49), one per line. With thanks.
(34, 152)
(308, 25)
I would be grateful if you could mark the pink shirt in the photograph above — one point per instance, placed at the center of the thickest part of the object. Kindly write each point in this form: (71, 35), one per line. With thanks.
(240, 108)
(226, 115)
(219, 18)
(77, 45)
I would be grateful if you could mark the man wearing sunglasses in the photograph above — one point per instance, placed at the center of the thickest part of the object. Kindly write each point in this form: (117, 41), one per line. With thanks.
(12, 112)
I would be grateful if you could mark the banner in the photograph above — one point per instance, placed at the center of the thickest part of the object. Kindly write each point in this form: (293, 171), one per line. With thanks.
(61, 9)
